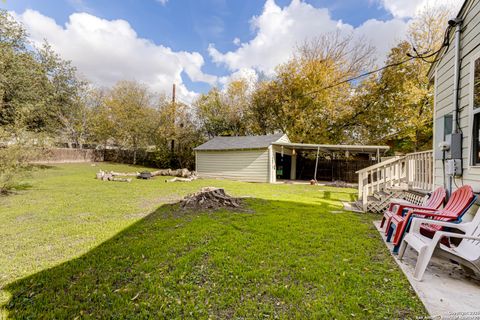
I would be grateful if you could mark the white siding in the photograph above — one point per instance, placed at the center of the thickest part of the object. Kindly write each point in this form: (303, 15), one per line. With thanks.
(444, 73)
(244, 165)
(284, 138)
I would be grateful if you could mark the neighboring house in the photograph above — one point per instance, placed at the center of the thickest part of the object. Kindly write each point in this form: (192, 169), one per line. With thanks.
(457, 116)
(262, 158)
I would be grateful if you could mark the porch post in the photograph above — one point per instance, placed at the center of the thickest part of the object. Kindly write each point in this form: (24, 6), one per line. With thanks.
(272, 177)
(316, 164)
(293, 166)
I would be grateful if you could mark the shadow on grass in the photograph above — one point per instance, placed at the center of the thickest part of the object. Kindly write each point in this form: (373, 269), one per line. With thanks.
(277, 259)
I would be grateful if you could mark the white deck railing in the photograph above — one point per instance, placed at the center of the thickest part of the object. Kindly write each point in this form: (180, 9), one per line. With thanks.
(412, 171)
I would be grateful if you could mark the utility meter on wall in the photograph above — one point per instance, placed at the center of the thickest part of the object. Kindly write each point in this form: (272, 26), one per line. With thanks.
(454, 167)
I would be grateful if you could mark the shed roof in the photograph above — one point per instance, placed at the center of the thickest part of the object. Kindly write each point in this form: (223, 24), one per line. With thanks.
(241, 142)
(334, 147)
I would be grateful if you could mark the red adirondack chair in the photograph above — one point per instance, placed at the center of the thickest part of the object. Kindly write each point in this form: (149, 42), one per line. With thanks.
(434, 202)
(460, 201)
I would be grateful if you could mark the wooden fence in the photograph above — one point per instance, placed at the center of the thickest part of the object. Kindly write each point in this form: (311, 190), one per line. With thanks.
(68, 155)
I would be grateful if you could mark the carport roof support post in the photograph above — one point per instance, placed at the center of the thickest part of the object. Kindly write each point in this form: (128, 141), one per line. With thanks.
(316, 164)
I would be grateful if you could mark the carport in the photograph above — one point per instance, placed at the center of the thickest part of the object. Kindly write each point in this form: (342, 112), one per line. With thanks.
(331, 162)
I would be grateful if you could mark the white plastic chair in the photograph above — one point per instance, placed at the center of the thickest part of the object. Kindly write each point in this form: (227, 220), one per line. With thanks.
(467, 253)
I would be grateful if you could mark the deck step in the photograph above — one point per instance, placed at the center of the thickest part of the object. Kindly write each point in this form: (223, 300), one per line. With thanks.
(379, 201)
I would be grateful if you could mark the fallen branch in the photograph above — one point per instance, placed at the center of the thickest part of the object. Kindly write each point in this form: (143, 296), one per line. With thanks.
(181, 173)
(108, 176)
(176, 179)
(124, 174)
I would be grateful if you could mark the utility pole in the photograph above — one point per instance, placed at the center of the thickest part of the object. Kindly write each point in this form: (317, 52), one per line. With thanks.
(174, 112)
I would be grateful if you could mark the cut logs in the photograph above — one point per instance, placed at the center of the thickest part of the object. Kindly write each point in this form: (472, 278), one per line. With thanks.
(108, 176)
(209, 198)
(183, 175)
(176, 179)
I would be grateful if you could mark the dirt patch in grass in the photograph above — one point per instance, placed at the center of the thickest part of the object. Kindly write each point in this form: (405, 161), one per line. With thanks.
(148, 204)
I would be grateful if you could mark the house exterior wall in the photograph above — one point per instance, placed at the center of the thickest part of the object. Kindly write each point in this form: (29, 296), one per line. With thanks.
(242, 165)
(443, 87)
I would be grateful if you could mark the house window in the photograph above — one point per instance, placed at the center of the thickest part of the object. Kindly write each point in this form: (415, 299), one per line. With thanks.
(476, 139)
(476, 85)
(476, 114)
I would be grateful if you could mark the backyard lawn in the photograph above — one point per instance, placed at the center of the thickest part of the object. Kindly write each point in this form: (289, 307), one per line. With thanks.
(75, 247)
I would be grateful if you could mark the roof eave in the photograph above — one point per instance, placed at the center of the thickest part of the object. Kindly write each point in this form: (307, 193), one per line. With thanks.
(439, 56)
(231, 149)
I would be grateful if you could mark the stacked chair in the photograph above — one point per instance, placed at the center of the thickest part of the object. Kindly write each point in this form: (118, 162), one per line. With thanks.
(459, 203)
(434, 201)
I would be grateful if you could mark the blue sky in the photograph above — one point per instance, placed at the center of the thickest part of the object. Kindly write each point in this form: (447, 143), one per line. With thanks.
(205, 29)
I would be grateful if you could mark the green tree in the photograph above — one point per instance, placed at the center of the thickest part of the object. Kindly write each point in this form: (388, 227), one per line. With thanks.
(299, 100)
(100, 120)
(66, 112)
(22, 84)
(132, 115)
(176, 135)
(22, 80)
(396, 106)
(225, 113)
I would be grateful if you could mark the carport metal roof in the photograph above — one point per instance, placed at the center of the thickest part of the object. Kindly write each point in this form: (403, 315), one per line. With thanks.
(333, 147)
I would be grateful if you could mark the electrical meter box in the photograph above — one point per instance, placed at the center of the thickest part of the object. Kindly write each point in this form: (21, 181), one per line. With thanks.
(454, 167)
(455, 142)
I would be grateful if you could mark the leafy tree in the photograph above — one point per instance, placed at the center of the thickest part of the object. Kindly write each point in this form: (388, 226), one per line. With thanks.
(300, 100)
(22, 84)
(38, 90)
(100, 119)
(22, 80)
(66, 112)
(225, 113)
(396, 106)
(132, 116)
(176, 135)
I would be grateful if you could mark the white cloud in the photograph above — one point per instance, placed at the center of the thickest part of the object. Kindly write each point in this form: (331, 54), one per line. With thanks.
(106, 51)
(408, 8)
(279, 30)
(163, 2)
(382, 35)
(247, 74)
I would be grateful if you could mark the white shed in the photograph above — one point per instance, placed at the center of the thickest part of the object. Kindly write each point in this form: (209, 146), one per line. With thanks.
(265, 158)
(245, 158)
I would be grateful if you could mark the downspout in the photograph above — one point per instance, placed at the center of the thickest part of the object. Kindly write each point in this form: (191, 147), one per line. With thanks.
(457, 23)
(456, 77)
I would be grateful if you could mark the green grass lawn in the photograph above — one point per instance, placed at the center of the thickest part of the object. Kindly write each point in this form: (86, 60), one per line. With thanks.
(75, 247)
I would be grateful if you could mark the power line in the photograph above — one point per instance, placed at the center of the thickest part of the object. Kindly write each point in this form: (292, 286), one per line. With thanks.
(423, 57)
(362, 75)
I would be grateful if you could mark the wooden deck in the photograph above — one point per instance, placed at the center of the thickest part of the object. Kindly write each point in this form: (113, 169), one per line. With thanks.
(411, 172)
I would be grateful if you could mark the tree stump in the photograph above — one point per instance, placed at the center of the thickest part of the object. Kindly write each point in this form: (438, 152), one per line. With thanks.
(209, 198)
